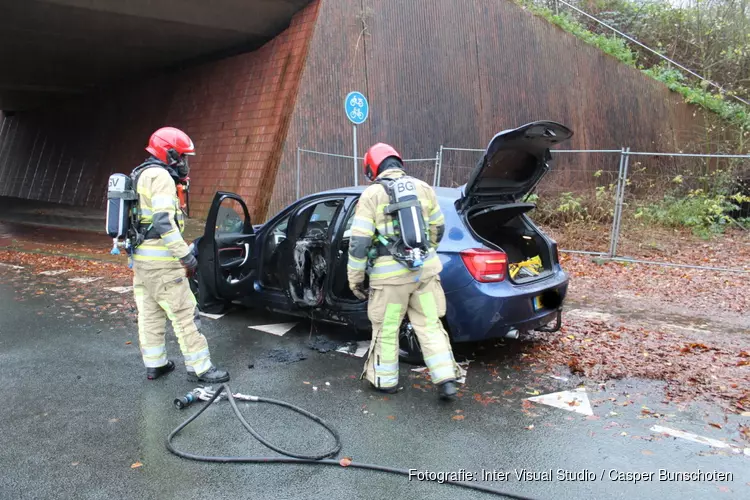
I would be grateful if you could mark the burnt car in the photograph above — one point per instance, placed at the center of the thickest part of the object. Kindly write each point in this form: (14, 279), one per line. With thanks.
(296, 262)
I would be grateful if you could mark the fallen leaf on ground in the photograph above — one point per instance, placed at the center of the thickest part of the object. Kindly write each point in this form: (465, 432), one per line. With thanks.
(345, 462)
(128, 342)
(136, 465)
(647, 452)
(530, 427)
(457, 417)
(391, 417)
(712, 424)
(306, 382)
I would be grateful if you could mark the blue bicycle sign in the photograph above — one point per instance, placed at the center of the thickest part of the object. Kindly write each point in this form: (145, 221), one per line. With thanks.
(356, 107)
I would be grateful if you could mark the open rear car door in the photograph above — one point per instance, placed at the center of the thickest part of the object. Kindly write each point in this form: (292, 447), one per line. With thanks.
(308, 260)
(226, 263)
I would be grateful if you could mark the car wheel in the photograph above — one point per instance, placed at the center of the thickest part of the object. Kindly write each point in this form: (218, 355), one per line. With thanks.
(409, 350)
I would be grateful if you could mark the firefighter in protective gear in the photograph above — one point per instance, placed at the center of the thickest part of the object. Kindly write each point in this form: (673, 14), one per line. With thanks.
(396, 290)
(163, 262)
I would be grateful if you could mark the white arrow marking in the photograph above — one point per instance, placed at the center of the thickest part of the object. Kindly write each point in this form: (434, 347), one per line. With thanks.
(577, 401)
(277, 329)
(695, 438)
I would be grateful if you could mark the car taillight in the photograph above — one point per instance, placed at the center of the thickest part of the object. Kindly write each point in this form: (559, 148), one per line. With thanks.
(485, 265)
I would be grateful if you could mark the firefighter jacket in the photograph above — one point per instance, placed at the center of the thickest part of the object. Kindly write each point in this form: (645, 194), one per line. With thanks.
(159, 212)
(371, 221)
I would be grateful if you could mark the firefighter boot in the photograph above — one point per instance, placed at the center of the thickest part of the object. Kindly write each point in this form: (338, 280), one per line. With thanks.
(154, 373)
(212, 376)
(384, 390)
(447, 390)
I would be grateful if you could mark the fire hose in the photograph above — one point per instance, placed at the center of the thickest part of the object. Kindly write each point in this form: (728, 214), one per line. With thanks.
(290, 457)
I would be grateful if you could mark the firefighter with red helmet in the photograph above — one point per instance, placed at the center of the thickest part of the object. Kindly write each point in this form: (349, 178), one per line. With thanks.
(395, 233)
(162, 262)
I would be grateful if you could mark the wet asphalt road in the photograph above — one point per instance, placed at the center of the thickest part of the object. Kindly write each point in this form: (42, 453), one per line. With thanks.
(77, 412)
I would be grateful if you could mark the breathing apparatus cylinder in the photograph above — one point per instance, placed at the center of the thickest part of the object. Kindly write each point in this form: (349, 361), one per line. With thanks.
(120, 200)
(406, 210)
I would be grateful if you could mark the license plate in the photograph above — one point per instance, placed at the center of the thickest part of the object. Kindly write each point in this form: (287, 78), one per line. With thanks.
(538, 303)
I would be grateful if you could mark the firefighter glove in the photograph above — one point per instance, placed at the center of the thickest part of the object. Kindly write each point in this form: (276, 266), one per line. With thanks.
(190, 263)
(358, 289)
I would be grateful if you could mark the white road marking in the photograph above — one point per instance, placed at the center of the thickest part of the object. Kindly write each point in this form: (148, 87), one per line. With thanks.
(55, 272)
(278, 329)
(586, 314)
(463, 366)
(84, 280)
(212, 316)
(362, 347)
(695, 438)
(11, 266)
(576, 401)
(120, 289)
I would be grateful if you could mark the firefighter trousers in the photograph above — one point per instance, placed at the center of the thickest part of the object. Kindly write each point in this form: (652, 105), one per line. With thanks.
(162, 294)
(424, 302)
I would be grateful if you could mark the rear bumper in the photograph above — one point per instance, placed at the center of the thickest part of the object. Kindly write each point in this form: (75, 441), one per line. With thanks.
(482, 311)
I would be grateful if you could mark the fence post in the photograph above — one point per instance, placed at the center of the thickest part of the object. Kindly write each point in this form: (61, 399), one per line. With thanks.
(439, 170)
(617, 205)
(616, 235)
(298, 161)
(434, 173)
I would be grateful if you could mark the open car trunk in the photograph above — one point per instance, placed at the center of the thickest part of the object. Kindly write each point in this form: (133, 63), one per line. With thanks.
(505, 228)
(510, 169)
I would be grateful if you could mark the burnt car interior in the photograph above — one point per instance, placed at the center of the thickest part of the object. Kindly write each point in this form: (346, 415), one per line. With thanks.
(309, 250)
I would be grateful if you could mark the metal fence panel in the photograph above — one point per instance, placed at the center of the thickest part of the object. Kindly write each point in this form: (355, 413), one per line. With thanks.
(594, 202)
(574, 191)
(309, 160)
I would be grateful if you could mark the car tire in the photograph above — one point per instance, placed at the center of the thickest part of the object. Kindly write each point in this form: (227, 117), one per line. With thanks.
(409, 350)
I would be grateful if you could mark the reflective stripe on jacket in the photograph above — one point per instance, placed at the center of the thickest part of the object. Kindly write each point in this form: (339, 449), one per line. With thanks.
(370, 221)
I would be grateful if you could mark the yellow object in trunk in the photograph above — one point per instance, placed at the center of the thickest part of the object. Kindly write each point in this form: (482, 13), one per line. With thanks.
(532, 265)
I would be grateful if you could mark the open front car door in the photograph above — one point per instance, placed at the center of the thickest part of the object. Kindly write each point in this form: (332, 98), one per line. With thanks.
(225, 253)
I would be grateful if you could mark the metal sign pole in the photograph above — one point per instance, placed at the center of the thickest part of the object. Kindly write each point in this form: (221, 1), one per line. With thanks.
(357, 109)
(298, 168)
(354, 135)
